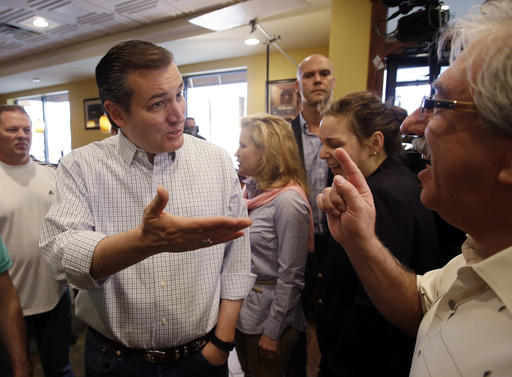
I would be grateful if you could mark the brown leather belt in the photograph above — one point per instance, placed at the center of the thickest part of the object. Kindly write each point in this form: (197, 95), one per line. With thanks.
(160, 355)
(263, 282)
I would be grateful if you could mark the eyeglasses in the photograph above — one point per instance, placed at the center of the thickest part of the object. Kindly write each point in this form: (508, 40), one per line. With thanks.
(428, 104)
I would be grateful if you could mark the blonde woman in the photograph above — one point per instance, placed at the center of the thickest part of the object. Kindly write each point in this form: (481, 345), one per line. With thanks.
(281, 234)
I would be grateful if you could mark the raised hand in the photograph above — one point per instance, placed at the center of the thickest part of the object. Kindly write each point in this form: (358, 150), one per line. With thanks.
(348, 204)
(164, 232)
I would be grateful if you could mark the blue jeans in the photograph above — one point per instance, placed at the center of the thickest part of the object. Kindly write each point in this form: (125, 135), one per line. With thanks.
(101, 361)
(52, 333)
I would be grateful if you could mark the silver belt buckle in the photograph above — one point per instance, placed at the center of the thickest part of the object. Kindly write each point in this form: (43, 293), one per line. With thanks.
(154, 356)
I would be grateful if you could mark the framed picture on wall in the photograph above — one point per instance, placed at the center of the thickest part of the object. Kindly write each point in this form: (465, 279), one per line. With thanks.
(93, 110)
(283, 99)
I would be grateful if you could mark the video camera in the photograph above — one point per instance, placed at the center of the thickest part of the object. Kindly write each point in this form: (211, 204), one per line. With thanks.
(421, 25)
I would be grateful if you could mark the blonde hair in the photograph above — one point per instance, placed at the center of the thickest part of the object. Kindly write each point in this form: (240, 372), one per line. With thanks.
(280, 163)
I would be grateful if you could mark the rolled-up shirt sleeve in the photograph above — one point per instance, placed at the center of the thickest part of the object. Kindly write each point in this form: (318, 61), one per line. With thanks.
(236, 277)
(68, 236)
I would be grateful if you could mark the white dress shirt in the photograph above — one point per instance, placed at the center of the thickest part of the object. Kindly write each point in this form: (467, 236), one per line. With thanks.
(467, 327)
(167, 299)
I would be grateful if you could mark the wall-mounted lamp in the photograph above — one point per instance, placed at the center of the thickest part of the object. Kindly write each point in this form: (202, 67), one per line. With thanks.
(39, 126)
(105, 125)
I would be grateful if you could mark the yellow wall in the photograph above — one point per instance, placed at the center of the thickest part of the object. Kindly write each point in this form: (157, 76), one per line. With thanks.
(349, 44)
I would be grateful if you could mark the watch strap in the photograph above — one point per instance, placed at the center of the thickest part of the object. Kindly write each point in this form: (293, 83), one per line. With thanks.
(225, 346)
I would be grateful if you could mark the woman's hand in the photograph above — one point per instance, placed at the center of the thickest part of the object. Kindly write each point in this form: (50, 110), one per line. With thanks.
(268, 347)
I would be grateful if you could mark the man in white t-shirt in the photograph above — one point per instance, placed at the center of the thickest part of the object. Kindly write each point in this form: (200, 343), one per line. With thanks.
(461, 313)
(27, 190)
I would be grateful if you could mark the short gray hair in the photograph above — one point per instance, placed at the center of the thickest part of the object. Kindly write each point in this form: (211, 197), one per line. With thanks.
(490, 29)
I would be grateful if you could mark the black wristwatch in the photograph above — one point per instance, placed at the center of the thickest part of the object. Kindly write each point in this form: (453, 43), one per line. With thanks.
(225, 346)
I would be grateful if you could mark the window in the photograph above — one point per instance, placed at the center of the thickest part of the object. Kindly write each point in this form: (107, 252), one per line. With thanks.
(51, 133)
(408, 80)
(217, 101)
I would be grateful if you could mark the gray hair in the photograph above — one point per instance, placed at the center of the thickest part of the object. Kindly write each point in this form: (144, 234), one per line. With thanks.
(487, 34)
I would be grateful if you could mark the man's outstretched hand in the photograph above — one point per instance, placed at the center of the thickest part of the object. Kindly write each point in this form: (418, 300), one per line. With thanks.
(165, 232)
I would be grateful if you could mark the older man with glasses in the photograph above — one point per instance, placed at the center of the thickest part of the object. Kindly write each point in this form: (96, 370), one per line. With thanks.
(462, 312)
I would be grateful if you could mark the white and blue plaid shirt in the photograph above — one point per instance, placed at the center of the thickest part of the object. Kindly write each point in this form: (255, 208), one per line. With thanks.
(167, 299)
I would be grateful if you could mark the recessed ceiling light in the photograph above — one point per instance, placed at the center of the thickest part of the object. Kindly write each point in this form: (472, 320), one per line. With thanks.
(40, 22)
(36, 79)
(251, 41)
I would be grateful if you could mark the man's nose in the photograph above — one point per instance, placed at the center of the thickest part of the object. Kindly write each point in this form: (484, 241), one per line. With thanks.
(318, 77)
(413, 125)
(176, 112)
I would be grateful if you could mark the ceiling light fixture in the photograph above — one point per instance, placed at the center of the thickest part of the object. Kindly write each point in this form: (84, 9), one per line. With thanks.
(252, 41)
(270, 39)
(40, 22)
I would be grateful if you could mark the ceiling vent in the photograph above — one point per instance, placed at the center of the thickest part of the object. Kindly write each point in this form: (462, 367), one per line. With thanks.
(16, 32)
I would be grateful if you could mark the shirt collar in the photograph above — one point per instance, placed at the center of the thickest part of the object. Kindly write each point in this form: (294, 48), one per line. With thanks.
(494, 270)
(252, 187)
(126, 148)
(128, 151)
(303, 123)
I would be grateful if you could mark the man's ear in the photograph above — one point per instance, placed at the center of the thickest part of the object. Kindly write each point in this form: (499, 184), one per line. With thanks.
(116, 113)
(297, 86)
(505, 175)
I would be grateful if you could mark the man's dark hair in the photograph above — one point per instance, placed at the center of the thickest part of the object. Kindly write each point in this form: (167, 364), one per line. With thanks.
(120, 60)
(17, 108)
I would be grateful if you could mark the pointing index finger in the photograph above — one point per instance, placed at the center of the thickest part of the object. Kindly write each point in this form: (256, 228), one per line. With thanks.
(352, 172)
